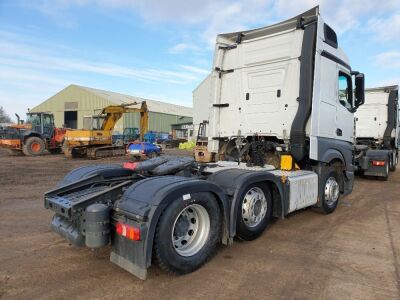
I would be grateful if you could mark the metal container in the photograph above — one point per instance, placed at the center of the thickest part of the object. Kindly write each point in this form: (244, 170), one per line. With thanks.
(97, 225)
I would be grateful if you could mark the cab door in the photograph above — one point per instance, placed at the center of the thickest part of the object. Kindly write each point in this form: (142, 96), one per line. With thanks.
(48, 126)
(344, 107)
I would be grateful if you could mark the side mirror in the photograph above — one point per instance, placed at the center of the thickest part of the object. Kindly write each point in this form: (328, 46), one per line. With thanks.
(359, 90)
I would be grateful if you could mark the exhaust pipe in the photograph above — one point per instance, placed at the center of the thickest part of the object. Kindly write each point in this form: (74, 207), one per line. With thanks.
(18, 118)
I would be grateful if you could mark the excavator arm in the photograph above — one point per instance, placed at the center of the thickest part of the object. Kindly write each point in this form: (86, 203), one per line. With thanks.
(114, 113)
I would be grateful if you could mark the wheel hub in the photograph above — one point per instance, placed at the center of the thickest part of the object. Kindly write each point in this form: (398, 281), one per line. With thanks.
(331, 191)
(191, 229)
(254, 207)
(182, 226)
(35, 147)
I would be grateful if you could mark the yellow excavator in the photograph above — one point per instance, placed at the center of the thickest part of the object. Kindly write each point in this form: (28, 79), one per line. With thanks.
(95, 141)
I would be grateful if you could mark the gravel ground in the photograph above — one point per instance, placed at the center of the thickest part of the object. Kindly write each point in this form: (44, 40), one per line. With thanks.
(352, 253)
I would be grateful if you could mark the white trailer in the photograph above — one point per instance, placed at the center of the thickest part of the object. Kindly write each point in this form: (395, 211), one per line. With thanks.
(377, 132)
(280, 138)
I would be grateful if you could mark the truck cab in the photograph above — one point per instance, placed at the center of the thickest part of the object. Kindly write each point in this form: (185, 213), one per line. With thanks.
(279, 138)
(377, 132)
(289, 85)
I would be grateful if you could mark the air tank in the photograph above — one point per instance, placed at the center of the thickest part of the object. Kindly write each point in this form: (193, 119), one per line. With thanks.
(97, 225)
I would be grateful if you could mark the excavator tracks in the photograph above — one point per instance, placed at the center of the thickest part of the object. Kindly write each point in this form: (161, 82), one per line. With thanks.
(106, 151)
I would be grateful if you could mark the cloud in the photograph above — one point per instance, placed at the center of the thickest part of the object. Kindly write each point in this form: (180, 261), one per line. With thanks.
(342, 15)
(196, 70)
(205, 19)
(389, 59)
(386, 28)
(183, 47)
(388, 82)
(14, 53)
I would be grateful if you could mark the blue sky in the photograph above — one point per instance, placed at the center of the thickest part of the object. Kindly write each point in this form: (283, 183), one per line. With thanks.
(162, 49)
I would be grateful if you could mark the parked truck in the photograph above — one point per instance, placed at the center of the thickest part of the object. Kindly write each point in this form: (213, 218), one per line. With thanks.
(377, 132)
(280, 139)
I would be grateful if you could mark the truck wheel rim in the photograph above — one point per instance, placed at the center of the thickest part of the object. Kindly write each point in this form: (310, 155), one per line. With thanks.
(254, 207)
(331, 191)
(191, 229)
(35, 147)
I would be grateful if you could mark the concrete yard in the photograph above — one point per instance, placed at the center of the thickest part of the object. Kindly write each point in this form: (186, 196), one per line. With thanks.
(352, 253)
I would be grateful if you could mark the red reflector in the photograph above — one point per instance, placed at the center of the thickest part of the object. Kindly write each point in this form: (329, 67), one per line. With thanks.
(378, 163)
(118, 228)
(129, 165)
(128, 231)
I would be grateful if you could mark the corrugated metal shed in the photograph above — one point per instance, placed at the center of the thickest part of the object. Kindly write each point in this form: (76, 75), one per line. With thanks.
(88, 101)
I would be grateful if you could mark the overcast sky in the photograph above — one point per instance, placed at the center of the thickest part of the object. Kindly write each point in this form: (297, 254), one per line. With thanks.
(162, 49)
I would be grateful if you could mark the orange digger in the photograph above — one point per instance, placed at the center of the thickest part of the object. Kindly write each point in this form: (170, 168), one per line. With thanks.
(33, 137)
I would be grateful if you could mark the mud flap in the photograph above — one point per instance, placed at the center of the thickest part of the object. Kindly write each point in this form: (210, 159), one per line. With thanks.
(129, 266)
(130, 255)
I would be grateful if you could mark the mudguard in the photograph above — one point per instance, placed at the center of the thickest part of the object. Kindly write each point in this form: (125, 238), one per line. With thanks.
(104, 170)
(332, 154)
(145, 200)
(378, 154)
(375, 155)
(235, 181)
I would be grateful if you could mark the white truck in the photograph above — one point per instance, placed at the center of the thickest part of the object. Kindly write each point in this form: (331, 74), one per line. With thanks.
(377, 132)
(280, 138)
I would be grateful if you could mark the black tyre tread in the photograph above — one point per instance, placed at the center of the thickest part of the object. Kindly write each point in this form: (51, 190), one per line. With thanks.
(27, 145)
(321, 209)
(393, 165)
(157, 249)
(386, 177)
(252, 234)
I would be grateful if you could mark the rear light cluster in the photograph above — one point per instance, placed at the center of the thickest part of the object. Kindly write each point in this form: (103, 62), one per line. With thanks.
(128, 231)
(378, 163)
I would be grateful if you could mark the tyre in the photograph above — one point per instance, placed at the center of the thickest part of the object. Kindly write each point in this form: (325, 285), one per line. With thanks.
(254, 211)
(329, 190)
(34, 146)
(187, 234)
(385, 177)
(393, 162)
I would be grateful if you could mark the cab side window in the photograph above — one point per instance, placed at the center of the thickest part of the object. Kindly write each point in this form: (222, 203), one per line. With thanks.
(345, 92)
(47, 120)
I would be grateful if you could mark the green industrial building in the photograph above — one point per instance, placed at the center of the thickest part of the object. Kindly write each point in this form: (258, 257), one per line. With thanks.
(71, 104)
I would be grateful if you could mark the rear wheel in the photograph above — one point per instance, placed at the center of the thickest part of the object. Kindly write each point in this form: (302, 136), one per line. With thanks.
(187, 234)
(254, 211)
(386, 172)
(329, 191)
(393, 162)
(34, 146)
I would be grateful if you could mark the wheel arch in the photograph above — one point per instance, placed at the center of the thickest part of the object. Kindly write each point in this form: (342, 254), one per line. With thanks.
(235, 181)
(30, 134)
(333, 155)
(153, 195)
